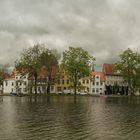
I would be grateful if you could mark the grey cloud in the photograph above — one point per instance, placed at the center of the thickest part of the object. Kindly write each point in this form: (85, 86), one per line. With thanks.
(104, 28)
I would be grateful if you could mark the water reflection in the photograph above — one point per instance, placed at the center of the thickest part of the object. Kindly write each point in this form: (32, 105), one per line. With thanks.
(67, 117)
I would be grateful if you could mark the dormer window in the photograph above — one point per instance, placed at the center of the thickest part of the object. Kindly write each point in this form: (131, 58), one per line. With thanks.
(97, 77)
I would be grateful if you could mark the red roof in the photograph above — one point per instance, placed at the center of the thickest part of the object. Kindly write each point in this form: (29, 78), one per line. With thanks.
(14, 73)
(94, 73)
(44, 72)
(108, 69)
(6, 76)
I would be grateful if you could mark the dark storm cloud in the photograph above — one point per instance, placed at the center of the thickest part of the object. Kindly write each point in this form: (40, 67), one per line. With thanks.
(103, 27)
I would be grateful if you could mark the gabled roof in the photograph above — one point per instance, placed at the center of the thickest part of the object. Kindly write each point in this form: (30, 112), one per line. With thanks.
(101, 74)
(13, 73)
(108, 69)
(42, 73)
(6, 76)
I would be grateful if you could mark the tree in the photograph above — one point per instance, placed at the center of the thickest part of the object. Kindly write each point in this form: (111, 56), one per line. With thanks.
(129, 67)
(49, 60)
(3, 73)
(30, 63)
(77, 63)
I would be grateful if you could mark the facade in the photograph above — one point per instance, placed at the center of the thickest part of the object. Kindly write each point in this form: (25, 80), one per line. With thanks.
(16, 83)
(1, 89)
(105, 82)
(85, 85)
(114, 82)
(42, 82)
(97, 83)
(62, 84)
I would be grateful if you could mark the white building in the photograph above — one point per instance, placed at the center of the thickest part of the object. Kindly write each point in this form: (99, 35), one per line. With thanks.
(114, 81)
(16, 83)
(97, 84)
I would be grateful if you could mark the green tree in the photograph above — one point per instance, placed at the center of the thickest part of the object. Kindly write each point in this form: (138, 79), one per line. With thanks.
(30, 63)
(77, 63)
(49, 60)
(3, 73)
(129, 67)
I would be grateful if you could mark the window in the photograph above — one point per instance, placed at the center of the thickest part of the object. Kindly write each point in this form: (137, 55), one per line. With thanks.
(38, 88)
(83, 81)
(25, 83)
(16, 83)
(52, 88)
(58, 81)
(93, 90)
(93, 83)
(58, 88)
(12, 83)
(97, 83)
(20, 83)
(87, 81)
(67, 81)
(101, 83)
(97, 90)
(63, 82)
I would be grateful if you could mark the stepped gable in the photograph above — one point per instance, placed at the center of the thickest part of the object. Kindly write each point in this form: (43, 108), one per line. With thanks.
(94, 73)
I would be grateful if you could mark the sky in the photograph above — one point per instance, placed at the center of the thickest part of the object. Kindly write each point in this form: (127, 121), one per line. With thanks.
(104, 28)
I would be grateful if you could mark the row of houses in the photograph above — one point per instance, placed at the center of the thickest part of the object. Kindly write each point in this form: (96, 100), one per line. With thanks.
(98, 82)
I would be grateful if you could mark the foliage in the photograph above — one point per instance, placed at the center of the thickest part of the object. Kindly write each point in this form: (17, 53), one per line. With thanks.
(129, 67)
(77, 63)
(3, 72)
(49, 60)
(30, 63)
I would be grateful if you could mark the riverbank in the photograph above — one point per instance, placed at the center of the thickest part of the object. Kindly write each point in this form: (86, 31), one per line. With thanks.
(54, 94)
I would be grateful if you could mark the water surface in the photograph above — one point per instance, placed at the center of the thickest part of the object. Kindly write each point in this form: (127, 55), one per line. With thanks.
(69, 118)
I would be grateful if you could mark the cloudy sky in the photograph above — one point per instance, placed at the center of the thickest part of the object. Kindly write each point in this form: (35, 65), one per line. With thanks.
(103, 27)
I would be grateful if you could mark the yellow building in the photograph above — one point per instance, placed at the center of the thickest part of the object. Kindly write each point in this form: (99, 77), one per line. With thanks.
(62, 83)
(85, 84)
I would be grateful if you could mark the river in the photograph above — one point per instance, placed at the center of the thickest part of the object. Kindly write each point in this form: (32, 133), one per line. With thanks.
(69, 118)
